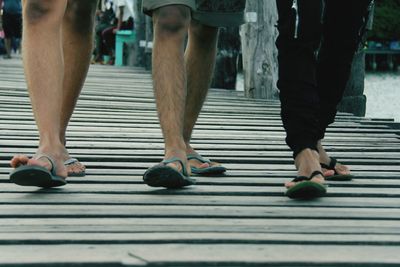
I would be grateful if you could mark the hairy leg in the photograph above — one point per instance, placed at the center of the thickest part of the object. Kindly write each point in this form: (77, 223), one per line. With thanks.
(44, 69)
(200, 60)
(77, 32)
(170, 29)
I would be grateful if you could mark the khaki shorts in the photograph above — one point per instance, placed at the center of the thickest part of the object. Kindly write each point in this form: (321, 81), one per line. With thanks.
(215, 13)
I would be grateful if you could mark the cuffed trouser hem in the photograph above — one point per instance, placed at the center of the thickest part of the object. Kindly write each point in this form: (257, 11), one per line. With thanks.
(296, 150)
(149, 6)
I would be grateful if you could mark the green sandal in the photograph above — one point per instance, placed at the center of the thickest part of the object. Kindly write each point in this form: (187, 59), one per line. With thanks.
(336, 176)
(305, 188)
(205, 171)
(162, 175)
(31, 175)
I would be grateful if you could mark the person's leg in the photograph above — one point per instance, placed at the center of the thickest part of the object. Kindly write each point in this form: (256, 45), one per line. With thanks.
(199, 60)
(8, 32)
(7, 45)
(44, 69)
(77, 35)
(171, 24)
(298, 41)
(341, 38)
(108, 37)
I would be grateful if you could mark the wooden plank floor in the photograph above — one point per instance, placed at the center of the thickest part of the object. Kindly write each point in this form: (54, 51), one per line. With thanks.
(109, 218)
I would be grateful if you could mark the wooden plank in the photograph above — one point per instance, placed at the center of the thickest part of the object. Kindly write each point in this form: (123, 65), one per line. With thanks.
(191, 200)
(239, 219)
(181, 211)
(208, 255)
(156, 237)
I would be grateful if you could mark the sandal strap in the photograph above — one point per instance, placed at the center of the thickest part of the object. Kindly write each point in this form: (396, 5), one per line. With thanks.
(53, 169)
(176, 159)
(305, 178)
(331, 165)
(70, 161)
(198, 158)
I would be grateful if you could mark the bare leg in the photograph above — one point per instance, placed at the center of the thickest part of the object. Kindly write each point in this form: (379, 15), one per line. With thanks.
(44, 68)
(200, 60)
(170, 29)
(77, 32)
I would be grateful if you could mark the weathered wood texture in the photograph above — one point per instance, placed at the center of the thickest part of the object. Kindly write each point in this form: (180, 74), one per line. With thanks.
(260, 63)
(226, 65)
(110, 218)
(354, 100)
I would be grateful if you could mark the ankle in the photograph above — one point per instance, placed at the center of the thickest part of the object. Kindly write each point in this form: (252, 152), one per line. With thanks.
(190, 149)
(323, 156)
(172, 150)
(307, 161)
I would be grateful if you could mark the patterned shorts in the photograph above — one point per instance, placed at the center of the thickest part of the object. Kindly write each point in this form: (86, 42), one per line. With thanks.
(215, 13)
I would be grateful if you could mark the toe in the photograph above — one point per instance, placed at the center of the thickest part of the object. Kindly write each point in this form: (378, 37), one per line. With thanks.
(198, 164)
(204, 165)
(75, 168)
(289, 184)
(328, 172)
(342, 169)
(19, 160)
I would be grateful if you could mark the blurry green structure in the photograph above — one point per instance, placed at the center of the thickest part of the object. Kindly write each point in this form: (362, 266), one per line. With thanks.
(386, 21)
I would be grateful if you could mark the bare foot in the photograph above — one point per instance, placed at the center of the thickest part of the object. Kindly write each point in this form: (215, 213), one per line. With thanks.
(177, 153)
(37, 160)
(307, 162)
(74, 167)
(196, 163)
(325, 159)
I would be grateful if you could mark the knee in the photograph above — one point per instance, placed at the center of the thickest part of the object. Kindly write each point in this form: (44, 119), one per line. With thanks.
(80, 15)
(172, 20)
(37, 11)
(205, 34)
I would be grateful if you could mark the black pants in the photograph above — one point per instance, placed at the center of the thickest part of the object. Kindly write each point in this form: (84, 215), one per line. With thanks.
(12, 24)
(311, 85)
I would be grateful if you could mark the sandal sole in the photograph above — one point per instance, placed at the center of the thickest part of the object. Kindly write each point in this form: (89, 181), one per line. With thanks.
(35, 176)
(164, 176)
(306, 190)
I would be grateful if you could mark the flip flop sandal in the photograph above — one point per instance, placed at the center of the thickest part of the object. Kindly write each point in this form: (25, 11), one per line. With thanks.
(162, 175)
(30, 175)
(336, 176)
(205, 171)
(305, 188)
(72, 161)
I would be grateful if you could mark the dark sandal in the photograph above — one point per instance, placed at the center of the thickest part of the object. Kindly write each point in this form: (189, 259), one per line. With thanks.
(336, 176)
(305, 188)
(205, 171)
(31, 175)
(162, 175)
(72, 161)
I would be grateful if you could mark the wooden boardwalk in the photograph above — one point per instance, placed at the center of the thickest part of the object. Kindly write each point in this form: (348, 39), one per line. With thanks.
(110, 218)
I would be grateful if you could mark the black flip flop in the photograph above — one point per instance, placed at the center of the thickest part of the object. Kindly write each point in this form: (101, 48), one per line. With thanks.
(336, 176)
(305, 188)
(31, 175)
(205, 171)
(162, 175)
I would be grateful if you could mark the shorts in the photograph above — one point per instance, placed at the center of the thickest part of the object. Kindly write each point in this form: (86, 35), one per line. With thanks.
(12, 25)
(214, 13)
